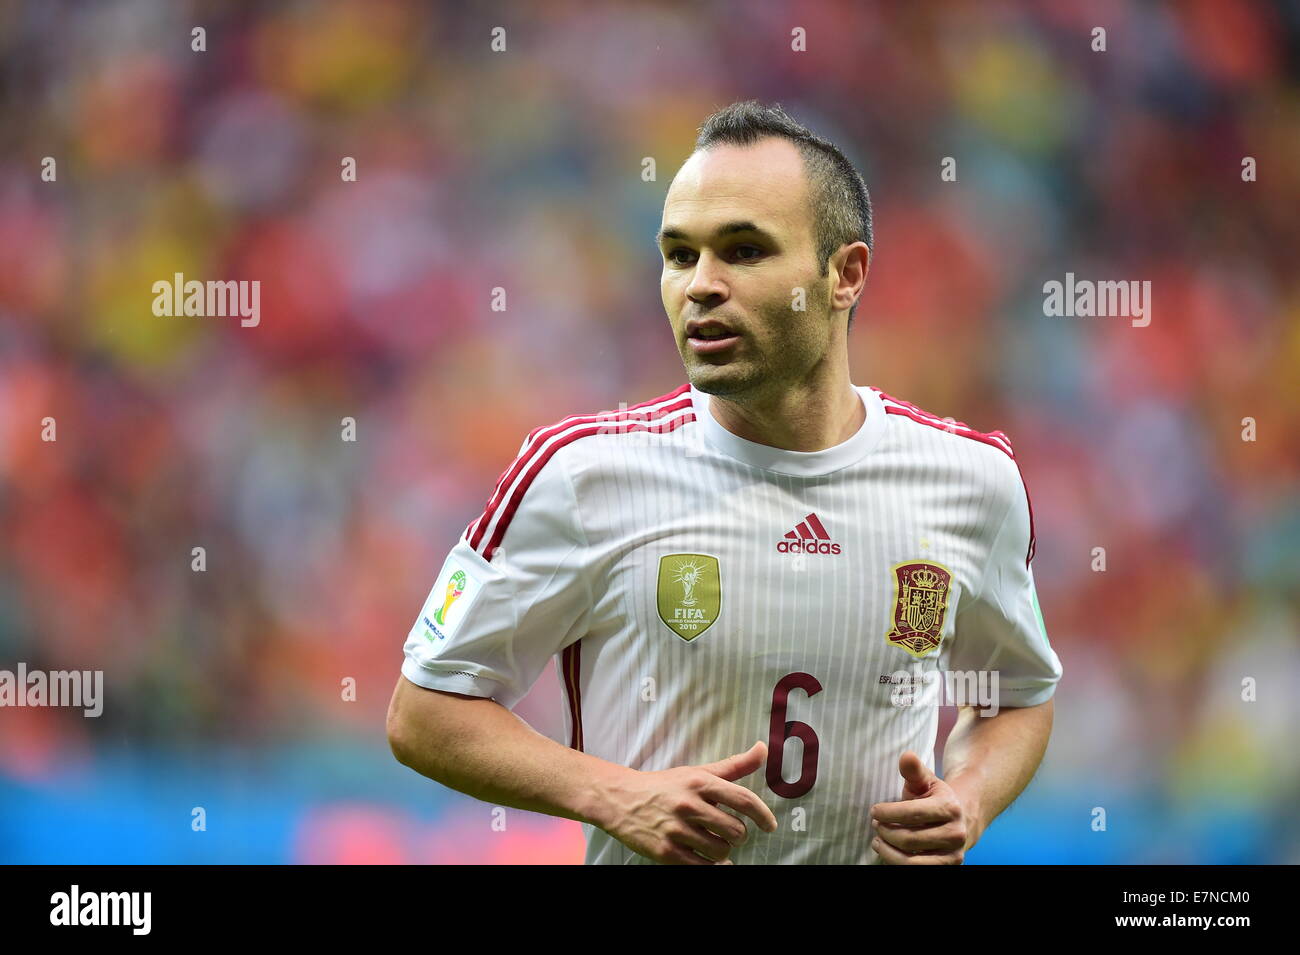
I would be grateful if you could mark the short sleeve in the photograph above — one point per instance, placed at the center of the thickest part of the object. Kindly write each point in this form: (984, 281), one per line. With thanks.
(999, 626)
(513, 591)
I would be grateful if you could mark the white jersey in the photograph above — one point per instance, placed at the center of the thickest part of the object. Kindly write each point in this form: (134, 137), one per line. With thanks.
(700, 592)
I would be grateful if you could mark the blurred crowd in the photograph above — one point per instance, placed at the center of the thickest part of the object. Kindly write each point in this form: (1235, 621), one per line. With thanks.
(1167, 454)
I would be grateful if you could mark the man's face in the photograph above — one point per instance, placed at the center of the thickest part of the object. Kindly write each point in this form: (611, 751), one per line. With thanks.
(737, 242)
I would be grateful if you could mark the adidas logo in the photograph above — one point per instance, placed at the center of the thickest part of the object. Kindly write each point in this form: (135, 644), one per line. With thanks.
(808, 537)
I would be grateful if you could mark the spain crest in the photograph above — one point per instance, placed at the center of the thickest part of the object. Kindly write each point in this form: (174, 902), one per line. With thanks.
(921, 591)
(689, 593)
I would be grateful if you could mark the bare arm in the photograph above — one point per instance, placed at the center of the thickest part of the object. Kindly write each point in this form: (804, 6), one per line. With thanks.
(480, 748)
(989, 760)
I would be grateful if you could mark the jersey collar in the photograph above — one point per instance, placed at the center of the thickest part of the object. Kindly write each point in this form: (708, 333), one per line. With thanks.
(801, 463)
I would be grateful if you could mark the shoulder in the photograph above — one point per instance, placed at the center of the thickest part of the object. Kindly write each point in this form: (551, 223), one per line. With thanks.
(985, 460)
(540, 478)
(570, 436)
(929, 423)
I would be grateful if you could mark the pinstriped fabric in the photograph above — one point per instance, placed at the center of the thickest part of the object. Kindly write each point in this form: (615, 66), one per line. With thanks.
(485, 532)
(995, 438)
(661, 415)
(919, 490)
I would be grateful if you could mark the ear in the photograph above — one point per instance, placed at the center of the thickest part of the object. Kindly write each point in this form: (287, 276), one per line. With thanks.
(851, 264)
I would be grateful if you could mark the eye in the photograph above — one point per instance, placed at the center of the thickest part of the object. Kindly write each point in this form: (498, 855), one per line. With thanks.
(737, 251)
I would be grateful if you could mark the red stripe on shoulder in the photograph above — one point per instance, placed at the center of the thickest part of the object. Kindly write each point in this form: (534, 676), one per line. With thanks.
(667, 426)
(681, 389)
(638, 417)
(997, 439)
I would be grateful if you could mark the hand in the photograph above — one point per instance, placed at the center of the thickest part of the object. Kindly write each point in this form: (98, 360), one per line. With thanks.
(930, 826)
(673, 815)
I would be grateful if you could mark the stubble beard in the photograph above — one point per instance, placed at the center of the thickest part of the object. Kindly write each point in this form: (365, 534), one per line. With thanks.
(786, 359)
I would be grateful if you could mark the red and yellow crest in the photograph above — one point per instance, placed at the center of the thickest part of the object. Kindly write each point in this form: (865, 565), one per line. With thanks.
(920, 601)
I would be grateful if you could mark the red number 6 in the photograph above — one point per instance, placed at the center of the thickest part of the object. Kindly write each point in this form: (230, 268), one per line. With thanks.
(780, 730)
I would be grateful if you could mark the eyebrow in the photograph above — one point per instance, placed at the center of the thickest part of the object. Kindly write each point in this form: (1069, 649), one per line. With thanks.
(728, 228)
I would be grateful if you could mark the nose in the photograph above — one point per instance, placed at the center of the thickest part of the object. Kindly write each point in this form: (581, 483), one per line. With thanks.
(706, 280)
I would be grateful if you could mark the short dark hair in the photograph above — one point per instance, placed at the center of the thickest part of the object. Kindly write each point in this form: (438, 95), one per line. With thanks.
(841, 205)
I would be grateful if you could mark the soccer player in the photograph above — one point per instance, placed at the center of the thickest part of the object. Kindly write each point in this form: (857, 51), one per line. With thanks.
(738, 577)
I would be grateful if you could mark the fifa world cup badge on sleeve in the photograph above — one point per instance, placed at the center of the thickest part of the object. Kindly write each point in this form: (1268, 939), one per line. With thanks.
(689, 593)
(921, 591)
(451, 598)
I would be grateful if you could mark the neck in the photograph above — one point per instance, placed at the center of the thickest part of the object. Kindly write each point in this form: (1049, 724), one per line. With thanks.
(808, 416)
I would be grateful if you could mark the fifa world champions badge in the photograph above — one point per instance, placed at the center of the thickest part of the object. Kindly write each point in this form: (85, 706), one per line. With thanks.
(921, 591)
(689, 593)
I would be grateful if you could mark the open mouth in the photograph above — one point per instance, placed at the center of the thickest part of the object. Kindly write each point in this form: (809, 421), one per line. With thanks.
(709, 330)
(712, 340)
